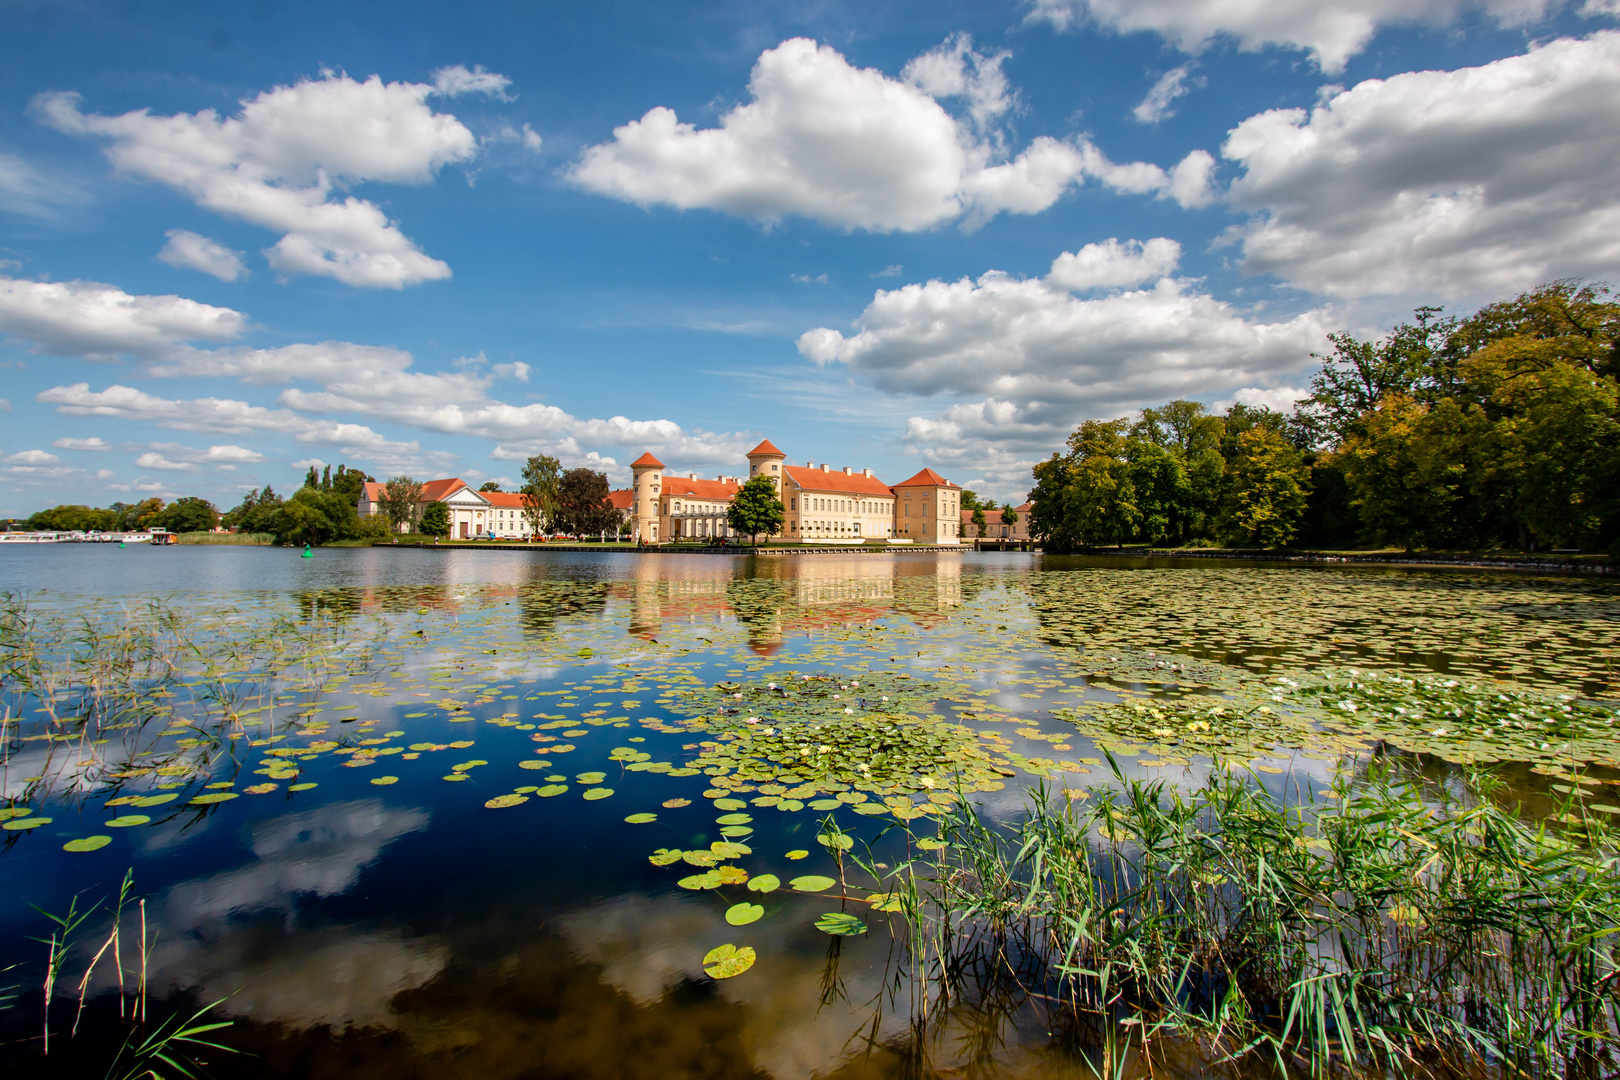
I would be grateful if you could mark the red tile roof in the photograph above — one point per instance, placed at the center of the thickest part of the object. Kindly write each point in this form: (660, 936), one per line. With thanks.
(837, 483)
(372, 490)
(1023, 509)
(699, 489)
(648, 460)
(766, 447)
(928, 478)
(435, 490)
(505, 499)
(622, 499)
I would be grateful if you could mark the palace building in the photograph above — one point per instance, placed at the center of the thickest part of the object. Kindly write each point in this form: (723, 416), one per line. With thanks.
(820, 504)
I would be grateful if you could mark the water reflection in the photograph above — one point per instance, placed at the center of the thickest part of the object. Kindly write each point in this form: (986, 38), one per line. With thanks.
(780, 597)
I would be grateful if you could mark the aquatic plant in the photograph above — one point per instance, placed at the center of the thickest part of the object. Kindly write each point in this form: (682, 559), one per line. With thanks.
(1370, 928)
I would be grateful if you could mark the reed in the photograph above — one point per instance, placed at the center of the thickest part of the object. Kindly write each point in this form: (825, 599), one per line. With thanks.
(1373, 927)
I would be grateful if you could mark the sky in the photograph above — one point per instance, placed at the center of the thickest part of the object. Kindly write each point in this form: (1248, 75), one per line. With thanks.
(432, 240)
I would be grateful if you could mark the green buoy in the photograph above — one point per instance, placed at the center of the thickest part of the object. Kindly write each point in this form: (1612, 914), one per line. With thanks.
(308, 554)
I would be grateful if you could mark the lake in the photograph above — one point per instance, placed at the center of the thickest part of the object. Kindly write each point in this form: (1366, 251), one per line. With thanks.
(407, 812)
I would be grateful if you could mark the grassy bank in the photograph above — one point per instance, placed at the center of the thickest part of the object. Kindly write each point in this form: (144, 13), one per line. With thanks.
(253, 539)
(1370, 929)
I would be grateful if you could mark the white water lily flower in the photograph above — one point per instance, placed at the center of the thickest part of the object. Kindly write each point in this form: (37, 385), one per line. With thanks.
(770, 731)
(753, 719)
(928, 782)
(849, 712)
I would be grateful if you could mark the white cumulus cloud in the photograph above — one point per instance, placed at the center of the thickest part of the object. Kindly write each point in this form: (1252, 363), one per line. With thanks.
(1331, 31)
(1111, 264)
(91, 319)
(1456, 184)
(188, 251)
(285, 159)
(853, 148)
(32, 457)
(94, 442)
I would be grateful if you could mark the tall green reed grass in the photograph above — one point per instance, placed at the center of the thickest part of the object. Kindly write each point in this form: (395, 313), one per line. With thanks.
(1371, 927)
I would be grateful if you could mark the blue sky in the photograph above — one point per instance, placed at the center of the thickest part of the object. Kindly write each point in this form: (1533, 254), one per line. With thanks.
(237, 239)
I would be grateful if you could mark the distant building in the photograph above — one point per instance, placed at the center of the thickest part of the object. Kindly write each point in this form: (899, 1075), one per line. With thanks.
(473, 513)
(994, 528)
(819, 503)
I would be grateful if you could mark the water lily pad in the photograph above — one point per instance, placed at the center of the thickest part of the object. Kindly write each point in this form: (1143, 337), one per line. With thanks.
(744, 913)
(929, 844)
(826, 804)
(733, 819)
(551, 790)
(836, 841)
(730, 849)
(167, 796)
(870, 809)
(641, 819)
(124, 821)
(9, 812)
(591, 777)
(213, 797)
(840, 924)
(676, 804)
(87, 843)
(790, 805)
(730, 804)
(737, 830)
(812, 883)
(765, 883)
(453, 777)
(706, 880)
(797, 854)
(727, 961)
(24, 824)
(295, 787)
(596, 793)
(664, 856)
(534, 764)
(384, 781)
(500, 802)
(262, 789)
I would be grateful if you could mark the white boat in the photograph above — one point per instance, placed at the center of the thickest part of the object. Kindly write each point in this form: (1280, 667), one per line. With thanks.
(34, 537)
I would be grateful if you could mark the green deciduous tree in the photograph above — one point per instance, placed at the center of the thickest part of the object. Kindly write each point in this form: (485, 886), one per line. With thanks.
(978, 519)
(191, 514)
(756, 508)
(400, 501)
(1266, 492)
(436, 519)
(541, 484)
(582, 503)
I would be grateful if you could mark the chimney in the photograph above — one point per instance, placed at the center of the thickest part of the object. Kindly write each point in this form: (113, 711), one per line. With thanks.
(866, 473)
(809, 464)
(846, 470)
(691, 476)
(823, 467)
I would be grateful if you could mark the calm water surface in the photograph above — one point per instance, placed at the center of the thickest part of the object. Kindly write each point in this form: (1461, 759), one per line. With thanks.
(407, 929)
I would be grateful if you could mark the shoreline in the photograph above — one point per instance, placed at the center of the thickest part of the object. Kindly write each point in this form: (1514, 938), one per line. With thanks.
(1550, 564)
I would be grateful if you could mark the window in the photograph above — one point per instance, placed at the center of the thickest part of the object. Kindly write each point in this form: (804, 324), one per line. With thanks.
(773, 468)
(793, 504)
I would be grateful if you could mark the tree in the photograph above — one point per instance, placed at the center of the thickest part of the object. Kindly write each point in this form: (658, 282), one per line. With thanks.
(400, 499)
(1009, 516)
(969, 499)
(1267, 485)
(541, 481)
(191, 514)
(1054, 518)
(312, 479)
(582, 503)
(489, 485)
(756, 508)
(978, 519)
(436, 519)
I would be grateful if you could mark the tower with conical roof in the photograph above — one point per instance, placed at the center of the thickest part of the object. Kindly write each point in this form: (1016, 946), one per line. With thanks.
(648, 473)
(766, 460)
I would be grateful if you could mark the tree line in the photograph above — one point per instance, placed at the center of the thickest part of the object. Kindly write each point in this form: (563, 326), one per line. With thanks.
(189, 514)
(1498, 429)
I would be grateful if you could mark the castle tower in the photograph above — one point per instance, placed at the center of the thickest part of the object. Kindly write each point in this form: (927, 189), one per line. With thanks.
(648, 473)
(766, 460)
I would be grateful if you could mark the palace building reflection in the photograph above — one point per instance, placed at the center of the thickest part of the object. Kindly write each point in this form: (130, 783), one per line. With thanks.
(778, 598)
